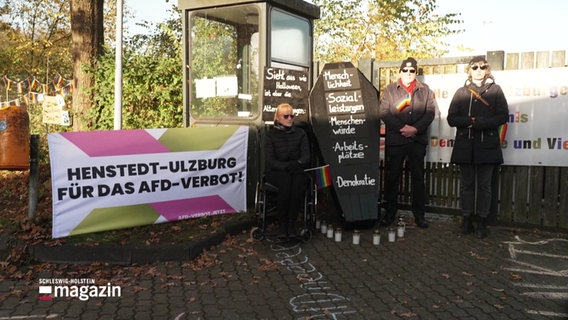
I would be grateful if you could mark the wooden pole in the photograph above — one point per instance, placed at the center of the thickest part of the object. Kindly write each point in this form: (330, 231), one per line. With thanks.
(34, 175)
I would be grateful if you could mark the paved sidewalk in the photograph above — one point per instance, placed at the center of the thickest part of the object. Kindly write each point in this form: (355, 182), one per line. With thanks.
(431, 273)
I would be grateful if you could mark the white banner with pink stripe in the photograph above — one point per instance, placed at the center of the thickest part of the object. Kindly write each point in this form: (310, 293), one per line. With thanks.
(105, 180)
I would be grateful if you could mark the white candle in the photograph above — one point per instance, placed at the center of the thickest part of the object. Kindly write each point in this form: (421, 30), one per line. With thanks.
(400, 227)
(338, 235)
(392, 235)
(376, 237)
(356, 237)
(400, 232)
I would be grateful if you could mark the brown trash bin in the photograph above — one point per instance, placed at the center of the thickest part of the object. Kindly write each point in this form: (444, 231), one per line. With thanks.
(14, 138)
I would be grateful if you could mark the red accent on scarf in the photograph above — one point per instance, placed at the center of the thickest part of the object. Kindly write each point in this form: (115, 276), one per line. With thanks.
(410, 87)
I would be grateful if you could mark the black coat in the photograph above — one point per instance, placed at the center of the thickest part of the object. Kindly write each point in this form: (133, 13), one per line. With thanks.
(286, 149)
(479, 144)
(419, 114)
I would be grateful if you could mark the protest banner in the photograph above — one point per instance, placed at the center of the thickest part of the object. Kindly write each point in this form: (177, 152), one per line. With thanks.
(104, 180)
(538, 109)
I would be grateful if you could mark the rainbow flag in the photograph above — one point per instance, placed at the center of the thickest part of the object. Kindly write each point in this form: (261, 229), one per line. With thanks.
(322, 176)
(403, 103)
(502, 132)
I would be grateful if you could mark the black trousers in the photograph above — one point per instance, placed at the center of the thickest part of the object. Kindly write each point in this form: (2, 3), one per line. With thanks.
(414, 154)
(475, 188)
(291, 190)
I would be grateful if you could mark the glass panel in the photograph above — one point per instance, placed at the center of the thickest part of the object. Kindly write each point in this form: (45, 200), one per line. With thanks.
(225, 62)
(290, 38)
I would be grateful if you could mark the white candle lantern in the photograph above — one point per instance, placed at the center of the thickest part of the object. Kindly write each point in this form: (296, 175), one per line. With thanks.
(400, 227)
(392, 235)
(356, 237)
(338, 235)
(330, 231)
(376, 237)
(323, 227)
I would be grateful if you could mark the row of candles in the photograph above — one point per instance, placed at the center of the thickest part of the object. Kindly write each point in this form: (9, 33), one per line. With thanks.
(337, 234)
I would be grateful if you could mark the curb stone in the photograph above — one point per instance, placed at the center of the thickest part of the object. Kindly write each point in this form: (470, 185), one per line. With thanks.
(127, 255)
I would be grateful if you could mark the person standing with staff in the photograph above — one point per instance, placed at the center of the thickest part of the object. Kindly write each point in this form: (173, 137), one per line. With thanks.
(477, 110)
(407, 108)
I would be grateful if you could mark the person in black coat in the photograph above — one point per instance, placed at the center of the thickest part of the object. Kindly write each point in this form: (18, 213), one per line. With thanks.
(407, 108)
(477, 110)
(287, 155)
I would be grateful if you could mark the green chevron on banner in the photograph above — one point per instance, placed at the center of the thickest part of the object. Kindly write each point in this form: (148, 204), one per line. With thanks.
(117, 218)
(207, 138)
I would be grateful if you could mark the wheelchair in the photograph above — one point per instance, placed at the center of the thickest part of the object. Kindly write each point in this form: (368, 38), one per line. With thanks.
(265, 208)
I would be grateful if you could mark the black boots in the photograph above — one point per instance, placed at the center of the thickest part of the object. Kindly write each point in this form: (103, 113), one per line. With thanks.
(466, 226)
(293, 225)
(287, 227)
(481, 231)
(420, 221)
(388, 219)
(282, 230)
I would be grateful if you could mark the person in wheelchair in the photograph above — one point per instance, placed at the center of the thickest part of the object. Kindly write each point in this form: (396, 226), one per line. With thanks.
(287, 155)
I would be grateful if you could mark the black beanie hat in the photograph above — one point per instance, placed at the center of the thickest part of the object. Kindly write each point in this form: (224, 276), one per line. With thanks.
(409, 62)
(477, 59)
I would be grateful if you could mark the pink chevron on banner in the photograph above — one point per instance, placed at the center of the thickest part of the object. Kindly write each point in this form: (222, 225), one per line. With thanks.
(113, 143)
(186, 208)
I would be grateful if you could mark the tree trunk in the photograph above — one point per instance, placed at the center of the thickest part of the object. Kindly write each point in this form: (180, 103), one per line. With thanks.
(87, 33)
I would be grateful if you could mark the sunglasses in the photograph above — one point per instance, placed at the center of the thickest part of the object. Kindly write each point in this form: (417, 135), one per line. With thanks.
(408, 70)
(483, 67)
(286, 116)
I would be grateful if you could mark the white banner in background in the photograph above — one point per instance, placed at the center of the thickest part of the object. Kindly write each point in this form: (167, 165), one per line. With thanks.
(538, 116)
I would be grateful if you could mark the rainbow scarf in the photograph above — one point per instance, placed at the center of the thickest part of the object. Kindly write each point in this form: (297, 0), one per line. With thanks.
(403, 103)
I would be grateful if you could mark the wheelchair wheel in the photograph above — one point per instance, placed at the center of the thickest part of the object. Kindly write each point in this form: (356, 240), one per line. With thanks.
(258, 199)
(260, 207)
(311, 207)
(257, 234)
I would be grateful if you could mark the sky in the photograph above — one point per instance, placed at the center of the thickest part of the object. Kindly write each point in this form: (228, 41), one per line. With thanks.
(508, 25)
